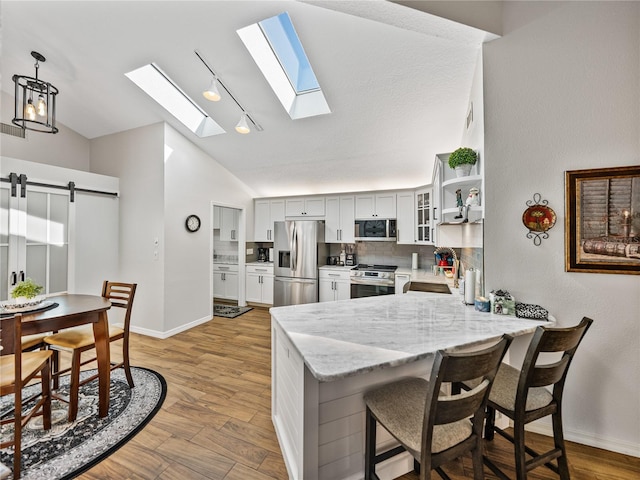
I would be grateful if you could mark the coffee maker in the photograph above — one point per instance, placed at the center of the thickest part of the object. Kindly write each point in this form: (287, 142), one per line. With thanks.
(262, 254)
(350, 258)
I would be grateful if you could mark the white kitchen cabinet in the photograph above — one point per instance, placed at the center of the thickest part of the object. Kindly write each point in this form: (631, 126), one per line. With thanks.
(339, 222)
(217, 213)
(305, 207)
(259, 283)
(229, 224)
(376, 205)
(415, 219)
(335, 284)
(225, 281)
(423, 216)
(406, 218)
(266, 213)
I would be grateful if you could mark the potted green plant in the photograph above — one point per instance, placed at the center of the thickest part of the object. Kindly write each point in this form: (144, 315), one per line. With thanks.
(26, 291)
(461, 160)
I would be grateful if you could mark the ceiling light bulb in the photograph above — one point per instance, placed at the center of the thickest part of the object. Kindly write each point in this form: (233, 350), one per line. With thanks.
(242, 126)
(42, 106)
(30, 110)
(212, 93)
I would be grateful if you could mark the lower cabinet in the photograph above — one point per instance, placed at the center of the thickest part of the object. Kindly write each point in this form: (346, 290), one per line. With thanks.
(334, 285)
(225, 281)
(259, 284)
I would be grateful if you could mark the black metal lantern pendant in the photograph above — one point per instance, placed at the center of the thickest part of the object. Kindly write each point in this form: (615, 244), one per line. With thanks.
(35, 101)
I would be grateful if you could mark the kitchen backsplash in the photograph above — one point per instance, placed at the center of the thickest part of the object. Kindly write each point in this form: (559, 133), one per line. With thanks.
(224, 251)
(474, 258)
(390, 253)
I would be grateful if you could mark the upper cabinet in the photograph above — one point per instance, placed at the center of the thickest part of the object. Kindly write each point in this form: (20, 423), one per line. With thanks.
(376, 205)
(406, 224)
(305, 207)
(266, 212)
(228, 224)
(340, 219)
(415, 219)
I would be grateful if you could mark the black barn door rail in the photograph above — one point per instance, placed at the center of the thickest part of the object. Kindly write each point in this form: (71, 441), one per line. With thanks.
(21, 180)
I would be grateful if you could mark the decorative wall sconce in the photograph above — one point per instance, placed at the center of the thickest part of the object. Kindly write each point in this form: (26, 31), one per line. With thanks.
(538, 218)
(41, 115)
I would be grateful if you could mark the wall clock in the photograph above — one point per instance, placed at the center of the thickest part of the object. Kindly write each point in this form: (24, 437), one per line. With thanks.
(192, 223)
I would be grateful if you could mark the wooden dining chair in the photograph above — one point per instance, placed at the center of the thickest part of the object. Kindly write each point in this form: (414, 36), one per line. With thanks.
(435, 428)
(80, 339)
(17, 369)
(521, 395)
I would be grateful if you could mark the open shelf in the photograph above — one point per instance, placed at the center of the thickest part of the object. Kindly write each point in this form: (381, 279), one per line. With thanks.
(471, 180)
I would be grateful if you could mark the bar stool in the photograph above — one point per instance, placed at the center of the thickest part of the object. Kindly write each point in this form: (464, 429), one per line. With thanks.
(521, 395)
(433, 427)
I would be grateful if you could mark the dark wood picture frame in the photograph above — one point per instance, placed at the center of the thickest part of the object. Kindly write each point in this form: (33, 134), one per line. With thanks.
(602, 220)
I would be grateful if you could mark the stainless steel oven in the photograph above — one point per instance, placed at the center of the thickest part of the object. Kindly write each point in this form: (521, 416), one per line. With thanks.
(372, 280)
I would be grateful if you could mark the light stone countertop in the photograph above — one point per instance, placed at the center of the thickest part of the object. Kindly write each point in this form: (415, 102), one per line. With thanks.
(424, 276)
(350, 337)
(336, 267)
(260, 264)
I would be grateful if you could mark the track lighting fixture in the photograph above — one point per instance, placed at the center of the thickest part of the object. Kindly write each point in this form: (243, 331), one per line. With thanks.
(243, 124)
(212, 93)
(40, 117)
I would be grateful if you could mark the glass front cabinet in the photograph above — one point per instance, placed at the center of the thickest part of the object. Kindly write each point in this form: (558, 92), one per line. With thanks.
(424, 220)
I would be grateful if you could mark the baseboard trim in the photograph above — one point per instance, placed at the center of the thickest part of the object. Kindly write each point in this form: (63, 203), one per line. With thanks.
(170, 333)
(584, 438)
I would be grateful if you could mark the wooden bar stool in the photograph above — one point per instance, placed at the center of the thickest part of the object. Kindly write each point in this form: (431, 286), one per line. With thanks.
(521, 395)
(435, 428)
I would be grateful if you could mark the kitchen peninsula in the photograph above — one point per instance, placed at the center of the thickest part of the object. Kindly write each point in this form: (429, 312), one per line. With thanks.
(326, 355)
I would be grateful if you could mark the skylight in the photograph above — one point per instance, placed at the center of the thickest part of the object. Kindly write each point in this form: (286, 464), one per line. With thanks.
(155, 83)
(275, 47)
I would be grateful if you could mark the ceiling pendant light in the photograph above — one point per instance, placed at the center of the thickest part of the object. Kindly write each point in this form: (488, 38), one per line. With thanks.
(42, 106)
(212, 93)
(242, 126)
(42, 116)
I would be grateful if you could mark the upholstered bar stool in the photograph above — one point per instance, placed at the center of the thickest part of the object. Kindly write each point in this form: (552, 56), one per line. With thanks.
(433, 427)
(521, 395)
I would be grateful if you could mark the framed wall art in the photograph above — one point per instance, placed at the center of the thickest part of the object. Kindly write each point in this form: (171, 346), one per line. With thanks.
(602, 220)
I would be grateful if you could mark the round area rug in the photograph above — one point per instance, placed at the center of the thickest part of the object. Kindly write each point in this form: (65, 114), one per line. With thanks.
(69, 449)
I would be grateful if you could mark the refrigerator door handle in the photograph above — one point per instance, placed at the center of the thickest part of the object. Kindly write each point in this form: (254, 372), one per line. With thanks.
(294, 248)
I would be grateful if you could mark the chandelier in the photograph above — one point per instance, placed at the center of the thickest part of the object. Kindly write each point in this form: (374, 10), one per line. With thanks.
(35, 101)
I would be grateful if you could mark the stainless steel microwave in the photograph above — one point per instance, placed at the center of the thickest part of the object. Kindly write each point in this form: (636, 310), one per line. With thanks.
(376, 230)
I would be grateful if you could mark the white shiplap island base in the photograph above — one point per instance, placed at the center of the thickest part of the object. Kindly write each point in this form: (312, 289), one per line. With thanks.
(326, 355)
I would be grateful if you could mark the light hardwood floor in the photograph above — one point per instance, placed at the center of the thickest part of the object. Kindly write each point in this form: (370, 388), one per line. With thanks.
(215, 422)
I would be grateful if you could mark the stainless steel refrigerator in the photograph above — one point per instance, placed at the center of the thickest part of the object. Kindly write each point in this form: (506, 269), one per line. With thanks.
(299, 250)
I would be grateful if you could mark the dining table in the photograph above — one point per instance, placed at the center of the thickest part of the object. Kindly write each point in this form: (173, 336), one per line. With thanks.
(71, 310)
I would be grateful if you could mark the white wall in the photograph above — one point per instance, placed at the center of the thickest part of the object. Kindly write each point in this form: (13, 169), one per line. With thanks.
(163, 179)
(137, 158)
(562, 92)
(65, 149)
(193, 180)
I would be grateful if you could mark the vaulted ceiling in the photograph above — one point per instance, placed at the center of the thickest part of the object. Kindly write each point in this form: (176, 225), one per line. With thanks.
(397, 81)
